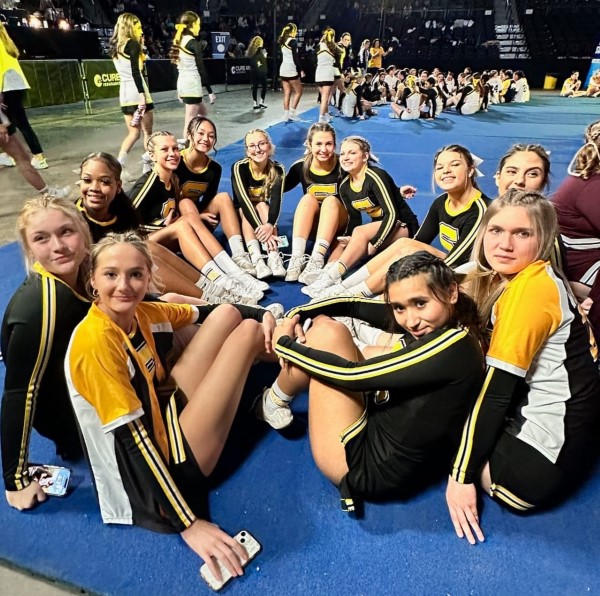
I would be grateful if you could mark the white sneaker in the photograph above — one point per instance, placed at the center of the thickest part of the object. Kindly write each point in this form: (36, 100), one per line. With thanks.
(295, 266)
(244, 262)
(277, 413)
(275, 264)
(244, 280)
(332, 291)
(311, 271)
(59, 193)
(215, 294)
(230, 284)
(262, 270)
(293, 116)
(328, 276)
(276, 309)
(39, 163)
(7, 161)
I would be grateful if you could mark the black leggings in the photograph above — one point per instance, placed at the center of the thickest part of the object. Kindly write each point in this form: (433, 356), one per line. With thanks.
(16, 114)
(259, 79)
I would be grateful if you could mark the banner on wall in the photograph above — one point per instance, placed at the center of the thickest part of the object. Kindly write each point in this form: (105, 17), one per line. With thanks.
(102, 79)
(237, 70)
(220, 43)
(594, 66)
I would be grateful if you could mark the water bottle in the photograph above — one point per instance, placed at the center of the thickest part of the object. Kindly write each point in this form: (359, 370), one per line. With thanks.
(137, 117)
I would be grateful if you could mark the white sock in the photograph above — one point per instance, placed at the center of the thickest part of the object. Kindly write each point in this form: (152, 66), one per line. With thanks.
(358, 276)
(202, 282)
(212, 271)
(362, 288)
(286, 114)
(320, 249)
(298, 245)
(254, 250)
(274, 400)
(43, 190)
(236, 244)
(225, 263)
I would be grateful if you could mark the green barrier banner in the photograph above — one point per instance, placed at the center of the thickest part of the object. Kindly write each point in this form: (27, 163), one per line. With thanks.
(53, 82)
(101, 79)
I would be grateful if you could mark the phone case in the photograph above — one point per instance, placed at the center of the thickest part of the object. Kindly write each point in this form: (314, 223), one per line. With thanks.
(253, 547)
(54, 480)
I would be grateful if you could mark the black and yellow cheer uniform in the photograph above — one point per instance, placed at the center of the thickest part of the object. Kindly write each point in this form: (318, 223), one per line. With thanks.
(248, 191)
(129, 63)
(420, 401)
(153, 201)
(456, 230)
(36, 329)
(537, 412)
(123, 218)
(200, 186)
(144, 470)
(318, 185)
(380, 199)
(192, 74)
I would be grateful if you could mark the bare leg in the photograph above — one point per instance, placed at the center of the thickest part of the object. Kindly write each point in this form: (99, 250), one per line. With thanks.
(332, 219)
(191, 111)
(222, 206)
(287, 92)
(133, 134)
(189, 243)
(297, 88)
(330, 410)
(306, 213)
(146, 125)
(325, 91)
(17, 151)
(212, 373)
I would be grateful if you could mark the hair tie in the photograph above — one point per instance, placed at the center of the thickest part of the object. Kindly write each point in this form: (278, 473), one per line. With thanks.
(180, 27)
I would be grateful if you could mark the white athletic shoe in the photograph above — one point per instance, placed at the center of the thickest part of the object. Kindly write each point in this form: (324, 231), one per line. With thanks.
(215, 294)
(39, 163)
(231, 285)
(328, 276)
(295, 267)
(311, 271)
(277, 310)
(262, 270)
(59, 193)
(7, 161)
(331, 292)
(275, 264)
(277, 418)
(246, 280)
(244, 262)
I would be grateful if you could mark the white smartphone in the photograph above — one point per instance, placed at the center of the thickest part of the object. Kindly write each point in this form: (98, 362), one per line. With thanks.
(252, 546)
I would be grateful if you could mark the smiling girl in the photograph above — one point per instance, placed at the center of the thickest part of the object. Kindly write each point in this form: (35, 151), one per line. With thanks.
(377, 425)
(531, 429)
(36, 329)
(320, 208)
(155, 397)
(258, 182)
(369, 189)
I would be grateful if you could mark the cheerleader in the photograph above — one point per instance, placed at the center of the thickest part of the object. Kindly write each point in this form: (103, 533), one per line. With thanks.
(407, 103)
(186, 53)
(369, 189)
(467, 100)
(522, 94)
(106, 208)
(126, 51)
(379, 427)
(156, 196)
(571, 86)
(258, 182)
(290, 72)
(13, 86)
(258, 70)
(364, 54)
(452, 222)
(36, 328)
(343, 64)
(327, 56)
(320, 208)
(199, 177)
(533, 427)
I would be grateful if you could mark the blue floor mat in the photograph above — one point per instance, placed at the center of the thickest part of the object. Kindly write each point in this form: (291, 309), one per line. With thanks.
(269, 485)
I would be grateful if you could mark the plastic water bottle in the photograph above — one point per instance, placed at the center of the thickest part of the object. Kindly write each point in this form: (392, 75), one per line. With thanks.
(137, 117)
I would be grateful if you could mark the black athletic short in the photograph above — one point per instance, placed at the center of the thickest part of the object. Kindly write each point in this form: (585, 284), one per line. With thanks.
(324, 83)
(523, 478)
(190, 100)
(130, 110)
(290, 78)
